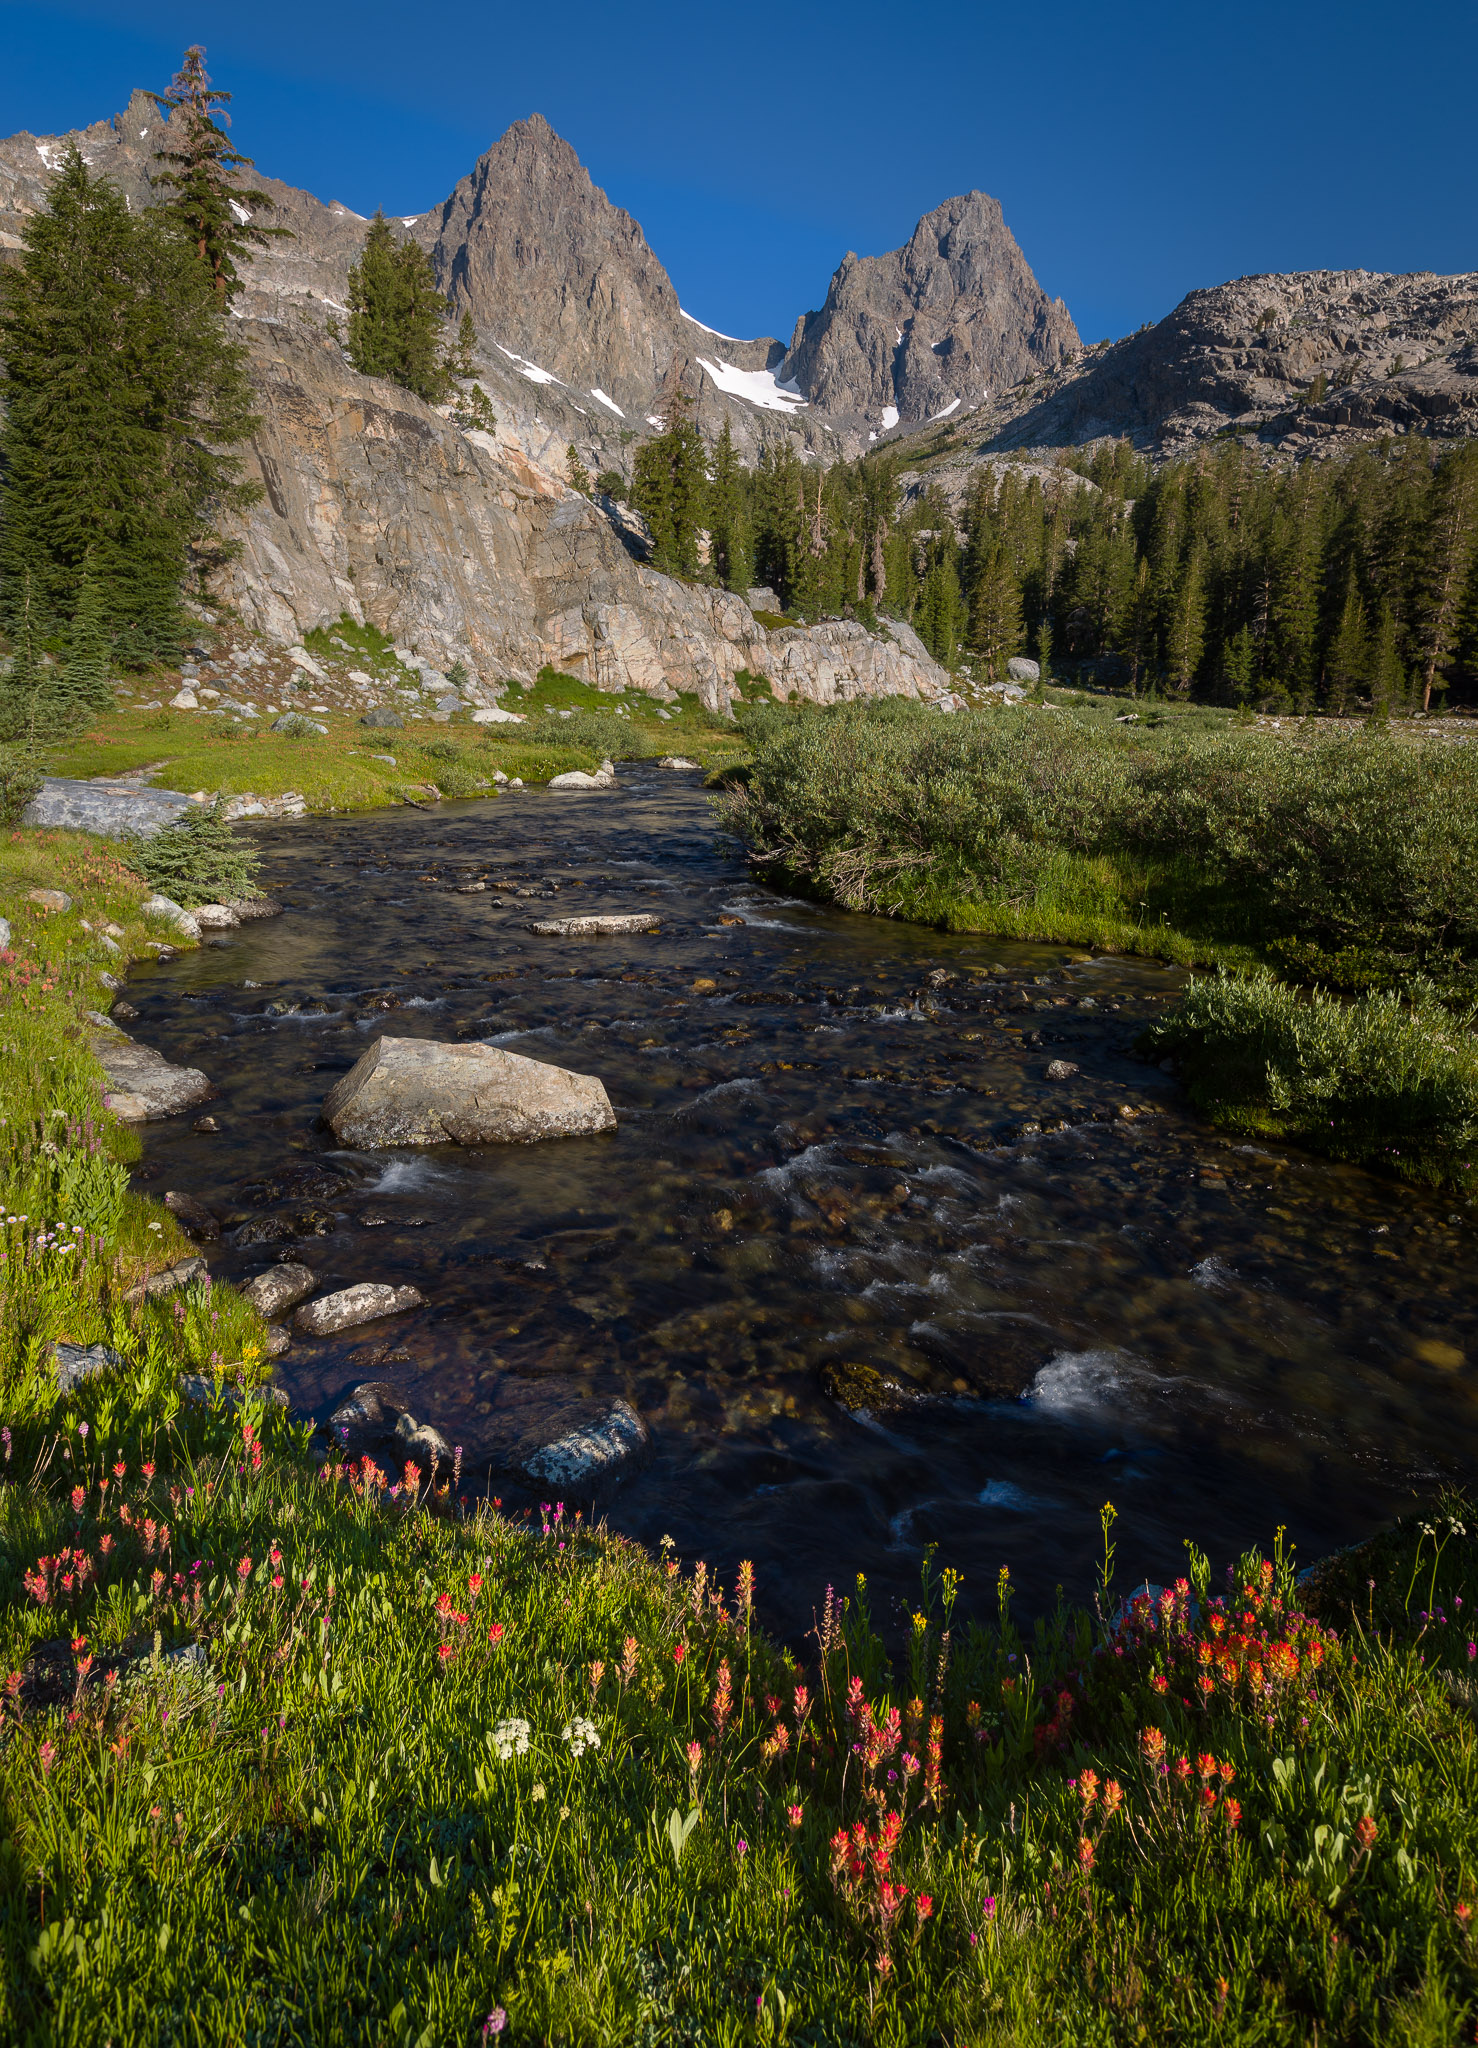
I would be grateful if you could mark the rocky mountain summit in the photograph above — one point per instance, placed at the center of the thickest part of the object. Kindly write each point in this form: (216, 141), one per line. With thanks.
(946, 321)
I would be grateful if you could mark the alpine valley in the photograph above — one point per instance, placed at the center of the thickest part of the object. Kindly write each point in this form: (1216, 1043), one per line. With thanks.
(466, 542)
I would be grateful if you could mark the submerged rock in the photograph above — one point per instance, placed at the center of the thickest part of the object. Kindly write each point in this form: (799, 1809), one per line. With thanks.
(1061, 1070)
(594, 927)
(192, 1215)
(416, 1091)
(863, 1390)
(350, 1306)
(593, 1451)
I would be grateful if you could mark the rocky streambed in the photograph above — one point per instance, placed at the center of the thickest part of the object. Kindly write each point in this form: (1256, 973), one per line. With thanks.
(895, 1242)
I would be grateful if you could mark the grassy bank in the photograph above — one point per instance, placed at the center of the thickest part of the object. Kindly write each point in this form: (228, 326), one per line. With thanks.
(355, 767)
(299, 1755)
(1342, 861)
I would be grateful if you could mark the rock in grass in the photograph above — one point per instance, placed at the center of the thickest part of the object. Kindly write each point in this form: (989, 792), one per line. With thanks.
(1061, 1070)
(200, 1388)
(169, 912)
(169, 1281)
(112, 812)
(415, 1091)
(78, 1362)
(142, 1085)
(576, 778)
(49, 899)
(4, 934)
(383, 719)
(593, 927)
(280, 1287)
(592, 1452)
(350, 1306)
(293, 723)
(192, 1216)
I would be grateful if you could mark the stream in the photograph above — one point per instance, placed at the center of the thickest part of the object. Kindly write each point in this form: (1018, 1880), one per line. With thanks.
(840, 1176)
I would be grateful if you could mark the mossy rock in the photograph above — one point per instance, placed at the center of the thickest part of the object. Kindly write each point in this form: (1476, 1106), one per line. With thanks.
(863, 1390)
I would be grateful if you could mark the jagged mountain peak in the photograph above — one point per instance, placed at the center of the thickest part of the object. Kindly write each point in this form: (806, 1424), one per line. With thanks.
(939, 323)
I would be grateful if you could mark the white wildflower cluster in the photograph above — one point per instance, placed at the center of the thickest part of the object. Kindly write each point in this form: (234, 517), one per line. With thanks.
(510, 1738)
(581, 1735)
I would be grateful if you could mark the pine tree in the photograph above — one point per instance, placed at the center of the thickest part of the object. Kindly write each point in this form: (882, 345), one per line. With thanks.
(728, 520)
(23, 681)
(576, 474)
(995, 614)
(1448, 559)
(1185, 628)
(465, 351)
(671, 489)
(124, 397)
(1239, 666)
(85, 678)
(396, 315)
(1387, 672)
(198, 173)
(1348, 667)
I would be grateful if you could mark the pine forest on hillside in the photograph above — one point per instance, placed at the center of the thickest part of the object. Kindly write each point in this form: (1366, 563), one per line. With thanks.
(1334, 587)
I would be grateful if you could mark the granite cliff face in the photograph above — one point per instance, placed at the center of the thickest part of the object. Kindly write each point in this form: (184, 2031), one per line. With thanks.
(946, 321)
(460, 544)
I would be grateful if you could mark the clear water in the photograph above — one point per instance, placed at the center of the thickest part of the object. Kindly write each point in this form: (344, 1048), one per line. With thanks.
(825, 1160)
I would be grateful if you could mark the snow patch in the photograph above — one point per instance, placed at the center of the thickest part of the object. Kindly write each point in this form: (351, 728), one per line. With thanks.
(242, 213)
(601, 399)
(408, 220)
(953, 406)
(890, 418)
(338, 206)
(653, 421)
(709, 330)
(760, 387)
(526, 369)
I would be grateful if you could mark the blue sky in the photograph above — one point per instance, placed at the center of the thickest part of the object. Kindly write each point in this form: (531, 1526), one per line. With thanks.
(1138, 150)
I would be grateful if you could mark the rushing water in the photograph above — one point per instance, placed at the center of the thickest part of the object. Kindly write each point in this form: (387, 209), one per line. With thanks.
(837, 1149)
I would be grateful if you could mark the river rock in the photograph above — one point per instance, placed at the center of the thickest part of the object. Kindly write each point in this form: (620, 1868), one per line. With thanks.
(594, 927)
(112, 811)
(280, 1287)
(215, 917)
(595, 1451)
(143, 1087)
(169, 912)
(863, 1390)
(677, 761)
(1061, 1070)
(248, 909)
(576, 778)
(350, 1306)
(279, 1339)
(192, 1216)
(78, 1362)
(415, 1091)
(421, 1441)
(169, 1281)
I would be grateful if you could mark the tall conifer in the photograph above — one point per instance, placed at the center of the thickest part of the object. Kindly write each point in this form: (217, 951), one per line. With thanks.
(199, 167)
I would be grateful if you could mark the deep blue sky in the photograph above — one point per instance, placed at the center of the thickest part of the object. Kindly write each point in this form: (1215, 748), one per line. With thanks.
(1138, 150)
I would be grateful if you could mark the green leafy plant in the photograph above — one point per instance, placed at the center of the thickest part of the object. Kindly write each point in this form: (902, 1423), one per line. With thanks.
(198, 858)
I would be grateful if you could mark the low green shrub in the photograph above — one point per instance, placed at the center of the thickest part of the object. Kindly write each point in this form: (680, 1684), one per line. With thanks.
(198, 858)
(20, 779)
(1382, 1081)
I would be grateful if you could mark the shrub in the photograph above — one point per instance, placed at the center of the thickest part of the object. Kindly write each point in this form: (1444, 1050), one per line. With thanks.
(20, 779)
(1379, 1081)
(198, 859)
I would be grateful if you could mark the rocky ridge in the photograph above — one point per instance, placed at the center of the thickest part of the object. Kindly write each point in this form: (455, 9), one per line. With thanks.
(1303, 365)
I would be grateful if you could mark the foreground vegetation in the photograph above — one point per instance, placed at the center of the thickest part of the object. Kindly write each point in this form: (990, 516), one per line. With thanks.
(1342, 861)
(334, 1754)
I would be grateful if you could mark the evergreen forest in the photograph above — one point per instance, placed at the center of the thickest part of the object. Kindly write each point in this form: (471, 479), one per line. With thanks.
(1342, 586)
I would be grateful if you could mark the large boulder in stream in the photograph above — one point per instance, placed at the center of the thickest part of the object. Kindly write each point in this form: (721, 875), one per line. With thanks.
(415, 1091)
(143, 1086)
